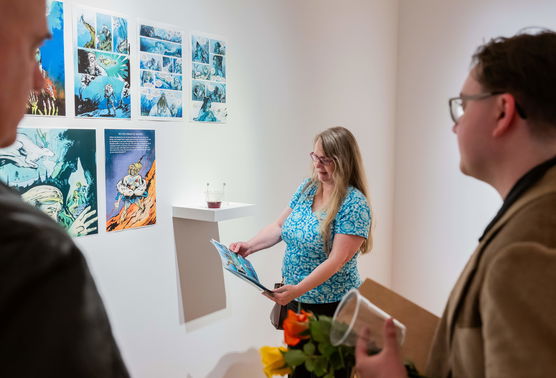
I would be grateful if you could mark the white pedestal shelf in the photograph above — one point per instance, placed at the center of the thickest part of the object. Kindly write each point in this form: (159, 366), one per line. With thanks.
(201, 280)
(229, 210)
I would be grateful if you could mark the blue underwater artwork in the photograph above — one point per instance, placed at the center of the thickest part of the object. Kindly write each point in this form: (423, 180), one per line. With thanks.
(51, 101)
(208, 74)
(160, 66)
(55, 171)
(102, 70)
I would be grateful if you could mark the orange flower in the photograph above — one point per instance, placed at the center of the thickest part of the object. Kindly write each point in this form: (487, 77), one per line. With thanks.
(294, 325)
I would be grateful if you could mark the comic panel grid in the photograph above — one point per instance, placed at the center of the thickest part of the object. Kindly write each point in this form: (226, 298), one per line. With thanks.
(208, 79)
(161, 73)
(102, 77)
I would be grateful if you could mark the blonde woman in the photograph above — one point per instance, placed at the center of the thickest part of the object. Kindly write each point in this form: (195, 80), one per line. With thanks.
(326, 225)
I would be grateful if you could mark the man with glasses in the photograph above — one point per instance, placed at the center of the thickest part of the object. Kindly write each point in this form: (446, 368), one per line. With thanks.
(500, 319)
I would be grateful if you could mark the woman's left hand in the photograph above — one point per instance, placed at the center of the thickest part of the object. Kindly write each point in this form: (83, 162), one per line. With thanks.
(284, 294)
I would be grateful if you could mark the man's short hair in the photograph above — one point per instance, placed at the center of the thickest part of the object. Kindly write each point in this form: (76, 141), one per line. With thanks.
(525, 66)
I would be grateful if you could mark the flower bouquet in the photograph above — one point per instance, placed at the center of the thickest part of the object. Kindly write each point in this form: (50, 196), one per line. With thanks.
(308, 346)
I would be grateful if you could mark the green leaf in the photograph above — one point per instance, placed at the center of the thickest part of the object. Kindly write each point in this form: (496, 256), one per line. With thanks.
(309, 348)
(295, 357)
(329, 375)
(321, 365)
(326, 349)
(320, 330)
(310, 364)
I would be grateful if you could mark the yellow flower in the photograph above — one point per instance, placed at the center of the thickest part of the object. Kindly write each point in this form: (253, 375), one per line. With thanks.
(273, 361)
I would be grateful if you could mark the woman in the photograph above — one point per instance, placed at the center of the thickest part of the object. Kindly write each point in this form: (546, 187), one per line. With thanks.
(326, 225)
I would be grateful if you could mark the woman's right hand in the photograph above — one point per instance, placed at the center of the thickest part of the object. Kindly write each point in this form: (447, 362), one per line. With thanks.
(241, 248)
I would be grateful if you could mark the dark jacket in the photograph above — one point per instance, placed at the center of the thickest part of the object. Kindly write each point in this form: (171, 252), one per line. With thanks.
(52, 320)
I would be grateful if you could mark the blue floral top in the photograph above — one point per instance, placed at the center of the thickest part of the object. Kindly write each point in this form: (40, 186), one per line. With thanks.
(305, 246)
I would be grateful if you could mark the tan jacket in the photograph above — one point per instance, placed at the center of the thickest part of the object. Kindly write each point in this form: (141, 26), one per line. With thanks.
(500, 319)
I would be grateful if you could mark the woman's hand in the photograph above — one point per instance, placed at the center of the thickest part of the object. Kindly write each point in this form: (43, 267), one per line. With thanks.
(241, 248)
(284, 294)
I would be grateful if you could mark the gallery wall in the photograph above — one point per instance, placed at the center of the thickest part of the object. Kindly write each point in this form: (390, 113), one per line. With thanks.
(439, 212)
(294, 68)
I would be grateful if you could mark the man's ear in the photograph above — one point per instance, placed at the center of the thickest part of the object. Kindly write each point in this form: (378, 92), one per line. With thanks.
(506, 112)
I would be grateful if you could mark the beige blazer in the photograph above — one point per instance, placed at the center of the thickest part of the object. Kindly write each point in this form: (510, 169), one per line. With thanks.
(500, 319)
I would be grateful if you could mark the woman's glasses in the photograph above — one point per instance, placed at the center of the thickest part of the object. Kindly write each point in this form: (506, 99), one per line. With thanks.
(323, 160)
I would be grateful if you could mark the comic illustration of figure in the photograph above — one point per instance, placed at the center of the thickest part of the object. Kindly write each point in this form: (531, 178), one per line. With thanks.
(55, 170)
(110, 99)
(105, 39)
(218, 66)
(205, 113)
(131, 189)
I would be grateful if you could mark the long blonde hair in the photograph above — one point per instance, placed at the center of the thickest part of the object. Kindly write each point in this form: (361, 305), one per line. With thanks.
(339, 144)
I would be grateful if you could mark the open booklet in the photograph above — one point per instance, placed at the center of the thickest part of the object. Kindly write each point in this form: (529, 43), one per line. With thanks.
(238, 265)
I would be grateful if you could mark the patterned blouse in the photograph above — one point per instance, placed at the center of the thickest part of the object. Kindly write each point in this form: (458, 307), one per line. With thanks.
(305, 246)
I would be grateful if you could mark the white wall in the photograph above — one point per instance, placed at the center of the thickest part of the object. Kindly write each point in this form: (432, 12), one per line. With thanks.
(439, 213)
(294, 68)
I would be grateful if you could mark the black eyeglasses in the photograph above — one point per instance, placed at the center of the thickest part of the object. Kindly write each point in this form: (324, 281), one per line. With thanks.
(323, 160)
(457, 108)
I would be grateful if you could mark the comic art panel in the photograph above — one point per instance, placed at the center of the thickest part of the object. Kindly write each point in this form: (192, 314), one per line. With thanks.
(51, 100)
(55, 170)
(121, 39)
(200, 71)
(155, 46)
(216, 92)
(86, 29)
(209, 111)
(198, 90)
(102, 87)
(199, 49)
(130, 178)
(104, 32)
(160, 33)
(150, 62)
(218, 67)
(171, 65)
(217, 47)
(159, 103)
(102, 75)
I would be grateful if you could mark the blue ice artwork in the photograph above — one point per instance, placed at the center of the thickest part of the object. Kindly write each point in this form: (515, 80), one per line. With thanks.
(104, 32)
(201, 71)
(217, 47)
(159, 103)
(55, 170)
(150, 62)
(218, 67)
(161, 72)
(86, 30)
(121, 40)
(208, 75)
(171, 65)
(102, 68)
(199, 49)
(216, 92)
(160, 33)
(51, 100)
(159, 47)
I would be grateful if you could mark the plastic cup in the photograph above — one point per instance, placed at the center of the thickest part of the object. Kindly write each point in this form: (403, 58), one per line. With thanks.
(354, 314)
(214, 196)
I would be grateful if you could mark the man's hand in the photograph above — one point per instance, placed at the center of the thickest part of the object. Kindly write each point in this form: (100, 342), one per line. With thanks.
(387, 363)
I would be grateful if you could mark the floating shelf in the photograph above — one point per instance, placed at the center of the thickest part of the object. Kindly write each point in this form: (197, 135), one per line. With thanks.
(229, 210)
